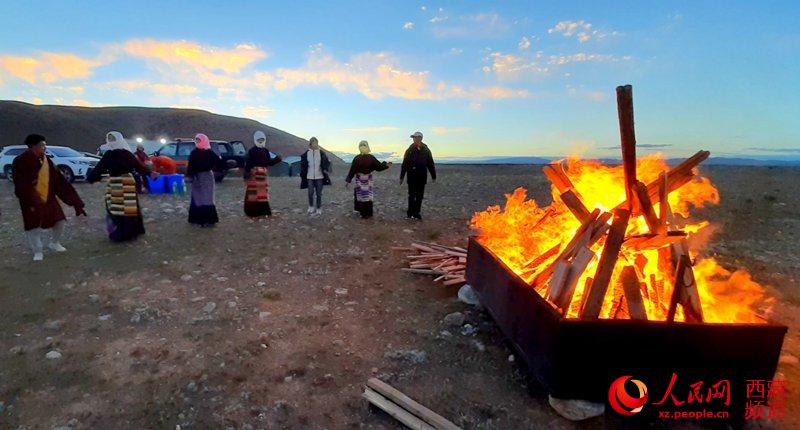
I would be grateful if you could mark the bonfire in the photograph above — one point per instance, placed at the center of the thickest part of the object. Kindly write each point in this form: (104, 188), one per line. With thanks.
(618, 241)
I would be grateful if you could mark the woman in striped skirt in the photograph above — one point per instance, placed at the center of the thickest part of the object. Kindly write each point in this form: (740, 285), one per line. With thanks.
(123, 213)
(361, 169)
(259, 159)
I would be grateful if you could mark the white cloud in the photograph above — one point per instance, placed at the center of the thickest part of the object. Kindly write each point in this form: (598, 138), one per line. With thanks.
(481, 25)
(582, 57)
(408, 25)
(510, 66)
(594, 96)
(423, 8)
(524, 43)
(581, 29)
(257, 112)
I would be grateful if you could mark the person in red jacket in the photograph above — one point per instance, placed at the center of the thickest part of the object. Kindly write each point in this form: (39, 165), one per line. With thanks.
(37, 183)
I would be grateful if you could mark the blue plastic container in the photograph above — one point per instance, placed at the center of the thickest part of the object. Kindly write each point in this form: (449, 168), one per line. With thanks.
(174, 183)
(157, 185)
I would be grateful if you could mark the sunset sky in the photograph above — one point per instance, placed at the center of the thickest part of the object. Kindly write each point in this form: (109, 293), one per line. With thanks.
(477, 78)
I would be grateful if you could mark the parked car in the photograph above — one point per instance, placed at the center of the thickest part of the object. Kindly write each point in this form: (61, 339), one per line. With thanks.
(232, 153)
(71, 163)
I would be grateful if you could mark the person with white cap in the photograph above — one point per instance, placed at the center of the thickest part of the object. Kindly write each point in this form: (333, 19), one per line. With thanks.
(417, 162)
(259, 159)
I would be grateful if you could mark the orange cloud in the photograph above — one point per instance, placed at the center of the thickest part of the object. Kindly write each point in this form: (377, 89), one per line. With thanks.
(158, 88)
(49, 67)
(182, 52)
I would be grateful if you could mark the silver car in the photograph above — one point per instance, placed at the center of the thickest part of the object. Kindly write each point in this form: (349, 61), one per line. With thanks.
(71, 163)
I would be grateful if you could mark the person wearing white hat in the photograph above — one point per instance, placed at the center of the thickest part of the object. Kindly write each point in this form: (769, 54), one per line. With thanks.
(259, 159)
(361, 169)
(417, 162)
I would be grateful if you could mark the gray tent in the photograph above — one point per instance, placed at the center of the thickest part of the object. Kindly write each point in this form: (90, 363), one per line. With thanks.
(289, 166)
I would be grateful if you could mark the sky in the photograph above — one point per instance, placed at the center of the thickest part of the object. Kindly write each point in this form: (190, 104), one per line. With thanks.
(477, 78)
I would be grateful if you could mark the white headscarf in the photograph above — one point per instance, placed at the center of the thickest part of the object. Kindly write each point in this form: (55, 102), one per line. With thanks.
(363, 147)
(114, 140)
(260, 135)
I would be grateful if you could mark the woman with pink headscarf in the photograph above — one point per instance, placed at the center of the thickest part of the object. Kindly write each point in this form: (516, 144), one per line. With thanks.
(202, 164)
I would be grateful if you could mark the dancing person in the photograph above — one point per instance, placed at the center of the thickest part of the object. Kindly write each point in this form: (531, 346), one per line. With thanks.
(259, 159)
(417, 162)
(315, 169)
(361, 169)
(203, 162)
(37, 183)
(123, 212)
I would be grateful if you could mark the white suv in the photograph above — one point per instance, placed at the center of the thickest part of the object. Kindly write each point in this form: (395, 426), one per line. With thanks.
(71, 163)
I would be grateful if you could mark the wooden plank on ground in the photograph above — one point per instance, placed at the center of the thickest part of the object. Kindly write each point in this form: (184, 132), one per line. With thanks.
(391, 393)
(398, 413)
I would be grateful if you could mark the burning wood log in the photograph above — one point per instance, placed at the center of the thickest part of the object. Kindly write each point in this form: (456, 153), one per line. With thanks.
(677, 177)
(646, 207)
(536, 261)
(633, 293)
(677, 288)
(556, 174)
(582, 237)
(578, 266)
(575, 205)
(653, 241)
(605, 268)
(628, 140)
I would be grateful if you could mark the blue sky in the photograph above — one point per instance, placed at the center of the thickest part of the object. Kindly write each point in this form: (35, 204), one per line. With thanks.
(478, 78)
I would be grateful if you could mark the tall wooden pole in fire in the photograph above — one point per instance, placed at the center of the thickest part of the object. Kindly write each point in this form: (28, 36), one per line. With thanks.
(628, 139)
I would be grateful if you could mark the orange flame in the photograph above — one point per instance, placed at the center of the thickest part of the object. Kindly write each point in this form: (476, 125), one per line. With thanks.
(522, 231)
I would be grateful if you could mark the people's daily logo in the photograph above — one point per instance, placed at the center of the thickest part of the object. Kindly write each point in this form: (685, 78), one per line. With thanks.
(624, 403)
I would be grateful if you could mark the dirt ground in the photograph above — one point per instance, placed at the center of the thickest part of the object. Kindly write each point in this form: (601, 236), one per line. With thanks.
(278, 323)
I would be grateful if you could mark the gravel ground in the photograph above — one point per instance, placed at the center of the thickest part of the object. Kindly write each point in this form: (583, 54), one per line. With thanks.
(278, 323)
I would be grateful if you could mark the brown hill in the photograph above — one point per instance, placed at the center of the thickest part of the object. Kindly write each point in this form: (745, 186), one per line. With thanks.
(84, 128)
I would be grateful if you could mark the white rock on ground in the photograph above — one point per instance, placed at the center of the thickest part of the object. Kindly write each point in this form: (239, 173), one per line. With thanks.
(53, 355)
(576, 410)
(456, 319)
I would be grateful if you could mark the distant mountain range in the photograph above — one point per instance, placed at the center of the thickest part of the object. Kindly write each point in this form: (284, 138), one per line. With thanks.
(85, 128)
(712, 161)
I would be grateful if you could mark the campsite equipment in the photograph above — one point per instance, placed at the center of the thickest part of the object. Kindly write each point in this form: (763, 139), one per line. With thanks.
(174, 184)
(157, 185)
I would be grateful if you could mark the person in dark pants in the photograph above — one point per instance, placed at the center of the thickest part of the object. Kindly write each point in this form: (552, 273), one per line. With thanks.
(315, 169)
(417, 162)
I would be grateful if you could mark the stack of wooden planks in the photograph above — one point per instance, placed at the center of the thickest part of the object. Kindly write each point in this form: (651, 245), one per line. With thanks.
(447, 263)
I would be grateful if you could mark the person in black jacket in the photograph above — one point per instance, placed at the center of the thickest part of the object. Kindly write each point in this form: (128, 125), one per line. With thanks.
(123, 212)
(361, 168)
(417, 162)
(259, 159)
(203, 162)
(315, 169)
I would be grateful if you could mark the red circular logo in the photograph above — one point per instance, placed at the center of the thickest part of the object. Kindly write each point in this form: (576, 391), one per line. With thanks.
(624, 403)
